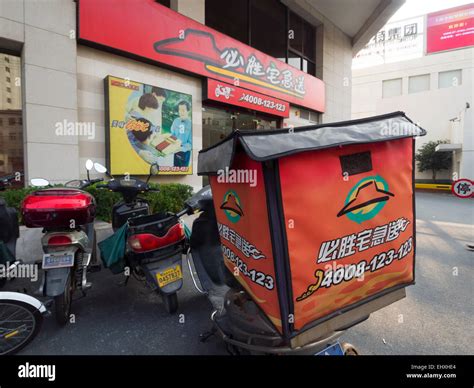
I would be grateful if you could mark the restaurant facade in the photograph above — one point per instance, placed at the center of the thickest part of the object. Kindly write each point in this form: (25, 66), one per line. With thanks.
(129, 83)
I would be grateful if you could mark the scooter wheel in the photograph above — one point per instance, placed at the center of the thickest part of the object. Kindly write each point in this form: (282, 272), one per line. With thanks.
(62, 303)
(171, 302)
(349, 350)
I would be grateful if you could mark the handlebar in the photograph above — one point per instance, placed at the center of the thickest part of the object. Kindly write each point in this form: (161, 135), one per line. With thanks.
(91, 182)
(118, 188)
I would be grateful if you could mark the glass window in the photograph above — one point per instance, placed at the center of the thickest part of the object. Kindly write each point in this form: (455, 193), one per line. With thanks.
(447, 79)
(309, 49)
(301, 36)
(418, 83)
(219, 13)
(309, 67)
(392, 87)
(218, 122)
(294, 60)
(296, 32)
(11, 130)
(166, 3)
(268, 31)
(268, 26)
(301, 41)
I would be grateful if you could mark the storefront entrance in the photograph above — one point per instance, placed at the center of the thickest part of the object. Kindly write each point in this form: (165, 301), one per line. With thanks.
(218, 122)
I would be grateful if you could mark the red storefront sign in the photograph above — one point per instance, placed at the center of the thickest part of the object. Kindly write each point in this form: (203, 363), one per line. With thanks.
(148, 30)
(450, 29)
(230, 94)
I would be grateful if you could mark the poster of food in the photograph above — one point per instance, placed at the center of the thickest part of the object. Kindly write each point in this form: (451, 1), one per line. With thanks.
(147, 124)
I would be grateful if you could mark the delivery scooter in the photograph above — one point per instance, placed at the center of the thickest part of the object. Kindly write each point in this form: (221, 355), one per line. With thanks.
(289, 266)
(154, 243)
(66, 215)
(235, 316)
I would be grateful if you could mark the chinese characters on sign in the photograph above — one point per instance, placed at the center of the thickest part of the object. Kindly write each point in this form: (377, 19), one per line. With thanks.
(244, 246)
(397, 41)
(180, 42)
(463, 188)
(368, 238)
(450, 29)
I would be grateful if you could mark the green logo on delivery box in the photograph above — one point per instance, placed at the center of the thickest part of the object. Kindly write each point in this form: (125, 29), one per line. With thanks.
(366, 199)
(232, 206)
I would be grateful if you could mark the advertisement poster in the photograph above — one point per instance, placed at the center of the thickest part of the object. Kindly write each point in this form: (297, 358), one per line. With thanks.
(450, 29)
(188, 45)
(361, 243)
(147, 124)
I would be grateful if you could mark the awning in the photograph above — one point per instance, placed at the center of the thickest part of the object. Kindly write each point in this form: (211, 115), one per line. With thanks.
(448, 147)
(273, 144)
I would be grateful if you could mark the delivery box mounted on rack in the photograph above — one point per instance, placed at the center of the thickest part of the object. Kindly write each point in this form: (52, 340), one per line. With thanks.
(317, 222)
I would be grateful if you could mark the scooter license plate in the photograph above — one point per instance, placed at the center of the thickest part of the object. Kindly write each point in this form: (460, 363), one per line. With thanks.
(332, 350)
(169, 275)
(58, 260)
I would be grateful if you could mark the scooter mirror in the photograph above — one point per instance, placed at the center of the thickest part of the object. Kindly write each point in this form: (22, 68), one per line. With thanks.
(39, 182)
(154, 169)
(76, 183)
(89, 165)
(99, 168)
(194, 203)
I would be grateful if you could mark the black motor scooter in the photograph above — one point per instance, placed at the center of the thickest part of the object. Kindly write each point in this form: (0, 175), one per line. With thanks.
(155, 242)
(9, 230)
(236, 317)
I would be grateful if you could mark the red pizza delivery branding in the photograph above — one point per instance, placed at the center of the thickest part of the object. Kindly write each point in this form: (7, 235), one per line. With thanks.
(350, 236)
(242, 221)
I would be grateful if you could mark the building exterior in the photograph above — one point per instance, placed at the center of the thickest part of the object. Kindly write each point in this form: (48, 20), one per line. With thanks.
(429, 75)
(128, 83)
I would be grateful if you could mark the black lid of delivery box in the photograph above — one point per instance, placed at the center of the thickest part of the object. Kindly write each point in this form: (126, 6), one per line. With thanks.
(272, 144)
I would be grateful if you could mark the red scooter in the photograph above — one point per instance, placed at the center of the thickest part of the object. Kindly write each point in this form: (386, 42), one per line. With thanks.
(66, 215)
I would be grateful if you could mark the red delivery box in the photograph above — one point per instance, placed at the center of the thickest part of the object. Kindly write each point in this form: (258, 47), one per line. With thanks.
(316, 222)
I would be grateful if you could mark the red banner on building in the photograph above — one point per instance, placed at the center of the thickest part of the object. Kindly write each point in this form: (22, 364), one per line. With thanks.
(146, 29)
(233, 95)
(450, 29)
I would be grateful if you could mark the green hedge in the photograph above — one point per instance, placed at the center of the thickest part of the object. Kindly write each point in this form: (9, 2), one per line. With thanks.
(170, 198)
